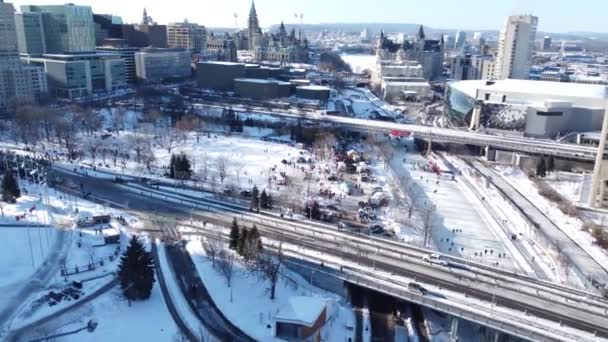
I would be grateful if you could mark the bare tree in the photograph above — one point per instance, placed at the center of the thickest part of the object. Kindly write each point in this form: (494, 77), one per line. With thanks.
(212, 247)
(427, 223)
(203, 172)
(117, 148)
(138, 143)
(222, 168)
(269, 266)
(118, 118)
(91, 253)
(213, 183)
(91, 145)
(148, 158)
(169, 139)
(225, 263)
(323, 144)
(104, 149)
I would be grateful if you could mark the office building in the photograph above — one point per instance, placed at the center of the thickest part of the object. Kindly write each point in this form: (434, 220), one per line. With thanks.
(515, 47)
(189, 36)
(261, 89)
(547, 41)
(461, 39)
(66, 28)
(127, 53)
(219, 76)
(30, 33)
(81, 75)
(146, 34)
(471, 67)
(18, 83)
(157, 65)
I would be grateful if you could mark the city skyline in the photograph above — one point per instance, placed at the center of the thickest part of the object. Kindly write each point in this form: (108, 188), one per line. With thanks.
(472, 14)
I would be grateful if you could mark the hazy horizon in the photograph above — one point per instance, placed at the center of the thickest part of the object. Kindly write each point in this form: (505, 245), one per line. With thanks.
(464, 14)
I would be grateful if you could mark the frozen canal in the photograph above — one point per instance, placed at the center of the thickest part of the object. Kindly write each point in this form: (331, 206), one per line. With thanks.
(459, 227)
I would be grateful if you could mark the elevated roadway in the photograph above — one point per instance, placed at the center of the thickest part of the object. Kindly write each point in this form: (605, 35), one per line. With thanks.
(529, 308)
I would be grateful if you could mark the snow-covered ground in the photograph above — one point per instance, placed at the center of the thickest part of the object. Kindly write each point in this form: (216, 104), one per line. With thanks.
(251, 309)
(571, 226)
(458, 227)
(32, 271)
(146, 320)
(360, 62)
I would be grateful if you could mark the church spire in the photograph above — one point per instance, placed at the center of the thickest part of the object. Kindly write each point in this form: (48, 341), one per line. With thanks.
(144, 19)
(252, 12)
(421, 33)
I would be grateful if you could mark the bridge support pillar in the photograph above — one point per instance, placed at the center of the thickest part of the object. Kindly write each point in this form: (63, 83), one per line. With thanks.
(496, 336)
(598, 180)
(454, 329)
(429, 148)
(475, 118)
(490, 154)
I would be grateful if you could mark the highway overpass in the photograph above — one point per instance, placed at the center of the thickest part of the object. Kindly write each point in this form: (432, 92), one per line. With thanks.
(429, 133)
(509, 302)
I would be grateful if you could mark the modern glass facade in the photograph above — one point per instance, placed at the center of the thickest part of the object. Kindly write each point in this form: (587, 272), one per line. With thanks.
(156, 65)
(67, 28)
(30, 33)
(458, 106)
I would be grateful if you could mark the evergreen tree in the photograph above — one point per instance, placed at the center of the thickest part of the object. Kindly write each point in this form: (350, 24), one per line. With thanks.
(10, 187)
(269, 203)
(241, 242)
(254, 237)
(172, 166)
(180, 167)
(255, 198)
(234, 234)
(136, 271)
(264, 200)
(541, 169)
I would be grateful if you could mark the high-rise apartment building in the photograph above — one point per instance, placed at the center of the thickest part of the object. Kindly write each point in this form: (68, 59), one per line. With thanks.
(66, 28)
(187, 36)
(515, 47)
(461, 39)
(547, 41)
(18, 84)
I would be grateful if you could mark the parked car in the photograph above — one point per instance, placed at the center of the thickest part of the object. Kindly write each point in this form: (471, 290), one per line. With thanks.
(435, 259)
(245, 193)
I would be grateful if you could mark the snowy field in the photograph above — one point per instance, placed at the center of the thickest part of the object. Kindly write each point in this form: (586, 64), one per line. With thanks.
(252, 310)
(146, 320)
(358, 63)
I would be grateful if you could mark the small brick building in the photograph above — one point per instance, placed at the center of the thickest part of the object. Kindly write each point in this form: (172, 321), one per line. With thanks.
(301, 319)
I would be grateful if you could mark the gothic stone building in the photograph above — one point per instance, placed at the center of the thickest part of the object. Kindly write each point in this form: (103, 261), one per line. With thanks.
(428, 52)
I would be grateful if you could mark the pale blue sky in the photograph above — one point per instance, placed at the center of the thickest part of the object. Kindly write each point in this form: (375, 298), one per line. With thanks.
(555, 15)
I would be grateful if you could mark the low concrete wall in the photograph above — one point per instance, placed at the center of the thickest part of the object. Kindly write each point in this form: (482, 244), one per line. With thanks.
(320, 280)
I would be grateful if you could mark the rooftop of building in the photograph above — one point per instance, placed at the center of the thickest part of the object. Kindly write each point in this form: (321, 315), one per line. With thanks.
(547, 88)
(162, 50)
(221, 63)
(301, 310)
(257, 80)
(314, 87)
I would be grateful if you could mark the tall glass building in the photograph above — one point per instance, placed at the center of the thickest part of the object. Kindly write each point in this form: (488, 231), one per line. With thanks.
(66, 28)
